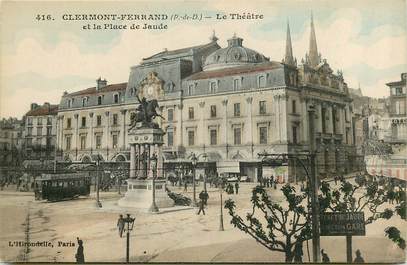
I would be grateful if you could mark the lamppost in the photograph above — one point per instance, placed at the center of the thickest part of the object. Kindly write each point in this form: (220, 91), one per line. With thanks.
(205, 159)
(194, 160)
(98, 203)
(221, 228)
(153, 164)
(130, 223)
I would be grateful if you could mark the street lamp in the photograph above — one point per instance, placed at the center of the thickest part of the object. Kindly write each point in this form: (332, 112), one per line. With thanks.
(98, 203)
(153, 164)
(205, 159)
(194, 160)
(221, 228)
(130, 223)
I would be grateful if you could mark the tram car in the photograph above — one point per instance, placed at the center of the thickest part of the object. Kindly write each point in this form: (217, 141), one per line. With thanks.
(62, 186)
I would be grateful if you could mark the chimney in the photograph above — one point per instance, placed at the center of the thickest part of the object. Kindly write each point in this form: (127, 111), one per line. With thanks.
(34, 106)
(47, 105)
(100, 83)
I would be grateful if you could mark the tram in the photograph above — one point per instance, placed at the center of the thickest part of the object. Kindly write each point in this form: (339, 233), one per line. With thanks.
(62, 186)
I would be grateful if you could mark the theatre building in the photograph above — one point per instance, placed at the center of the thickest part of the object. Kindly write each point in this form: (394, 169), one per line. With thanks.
(226, 105)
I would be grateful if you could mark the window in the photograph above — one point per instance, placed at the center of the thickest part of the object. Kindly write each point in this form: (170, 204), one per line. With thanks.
(191, 113)
(236, 84)
(98, 141)
(116, 98)
(115, 118)
(323, 117)
(237, 133)
(49, 121)
(98, 120)
(170, 138)
(212, 87)
(39, 131)
(30, 131)
(114, 140)
(84, 101)
(262, 81)
(83, 142)
(99, 100)
(49, 130)
(262, 107)
(190, 89)
(68, 123)
(68, 143)
(191, 138)
(170, 114)
(236, 109)
(83, 122)
(295, 140)
(294, 106)
(30, 121)
(39, 121)
(213, 111)
(29, 142)
(48, 143)
(214, 136)
(263, 135)
(69, 103)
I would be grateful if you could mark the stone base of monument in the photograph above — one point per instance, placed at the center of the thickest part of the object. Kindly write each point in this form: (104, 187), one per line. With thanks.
(139, 194)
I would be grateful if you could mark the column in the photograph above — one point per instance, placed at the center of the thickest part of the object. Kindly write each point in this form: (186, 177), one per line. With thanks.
(318, 122)
(160, 161)
(106, 133)
(179, 130)
(91, 132)
(304, 121)
(328, 123)
(61, 128)
(276, 104)
(201, 128)
(283, 124)
(249, 130)
(123, 130)
(76, 134)
(225, 124)
(132, 161)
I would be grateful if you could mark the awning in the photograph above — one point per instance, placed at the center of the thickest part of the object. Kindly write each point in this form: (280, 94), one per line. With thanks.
(228, 167)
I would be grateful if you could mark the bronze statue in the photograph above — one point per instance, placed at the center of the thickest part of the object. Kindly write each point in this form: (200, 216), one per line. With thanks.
(146, 113)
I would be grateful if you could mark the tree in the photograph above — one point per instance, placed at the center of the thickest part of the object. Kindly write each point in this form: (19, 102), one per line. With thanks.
(374, 194)
(281, 227)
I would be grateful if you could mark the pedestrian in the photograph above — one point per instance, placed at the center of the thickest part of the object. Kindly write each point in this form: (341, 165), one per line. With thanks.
(237, 187)
(271, 182)
(267, 182)
(80, 258)
(120, 225)
(298, 252)
(325, 257)
(201, 203)
(205, 197)
(185, 185)
(358, 258)
(275, 184)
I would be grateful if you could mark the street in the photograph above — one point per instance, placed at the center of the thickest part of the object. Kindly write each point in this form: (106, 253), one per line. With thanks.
(177, 235)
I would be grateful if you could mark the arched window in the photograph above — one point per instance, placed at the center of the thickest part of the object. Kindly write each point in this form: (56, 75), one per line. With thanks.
(99, 100)
(116, 98)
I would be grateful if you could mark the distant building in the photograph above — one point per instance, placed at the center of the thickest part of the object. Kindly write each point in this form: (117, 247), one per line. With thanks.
(40, 132)
(11, 141)
(398, 110)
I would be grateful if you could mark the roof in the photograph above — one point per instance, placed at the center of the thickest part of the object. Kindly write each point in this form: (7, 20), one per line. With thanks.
(235, 70)
(397, 83)
(92, 90)
(44, 110)
(178, 51)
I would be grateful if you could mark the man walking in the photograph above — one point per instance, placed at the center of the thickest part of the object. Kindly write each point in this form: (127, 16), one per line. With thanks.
(120, 225)
(201, 203)
(80, 257)
(358, 258)
(237, 187)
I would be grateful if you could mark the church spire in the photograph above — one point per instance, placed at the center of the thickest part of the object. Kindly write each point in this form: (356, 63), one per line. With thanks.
(288, 59)
(314, 59)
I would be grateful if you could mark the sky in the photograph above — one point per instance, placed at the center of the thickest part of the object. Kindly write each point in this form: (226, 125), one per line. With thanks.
(40, 59)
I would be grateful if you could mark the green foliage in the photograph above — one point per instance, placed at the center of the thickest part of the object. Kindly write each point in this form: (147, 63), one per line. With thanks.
(291, 222)
(394, 234)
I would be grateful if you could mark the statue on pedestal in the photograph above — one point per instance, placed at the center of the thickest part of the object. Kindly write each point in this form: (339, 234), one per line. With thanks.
(146, 113)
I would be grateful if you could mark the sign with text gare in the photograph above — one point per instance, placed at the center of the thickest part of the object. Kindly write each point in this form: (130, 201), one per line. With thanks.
(342, 224)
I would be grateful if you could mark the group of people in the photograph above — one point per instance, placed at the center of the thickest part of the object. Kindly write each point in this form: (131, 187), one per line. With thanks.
(358, 259)
(269, 182)
(231, 189)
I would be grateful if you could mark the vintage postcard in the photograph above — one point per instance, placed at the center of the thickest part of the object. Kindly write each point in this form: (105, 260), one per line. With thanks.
(203, 131)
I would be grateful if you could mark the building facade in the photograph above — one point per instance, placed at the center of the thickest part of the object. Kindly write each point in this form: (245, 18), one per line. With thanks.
(226, 105)
(40, 132)
(11, 141)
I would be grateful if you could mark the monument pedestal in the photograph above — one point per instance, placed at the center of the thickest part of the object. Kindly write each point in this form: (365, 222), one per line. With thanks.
(139, 194)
